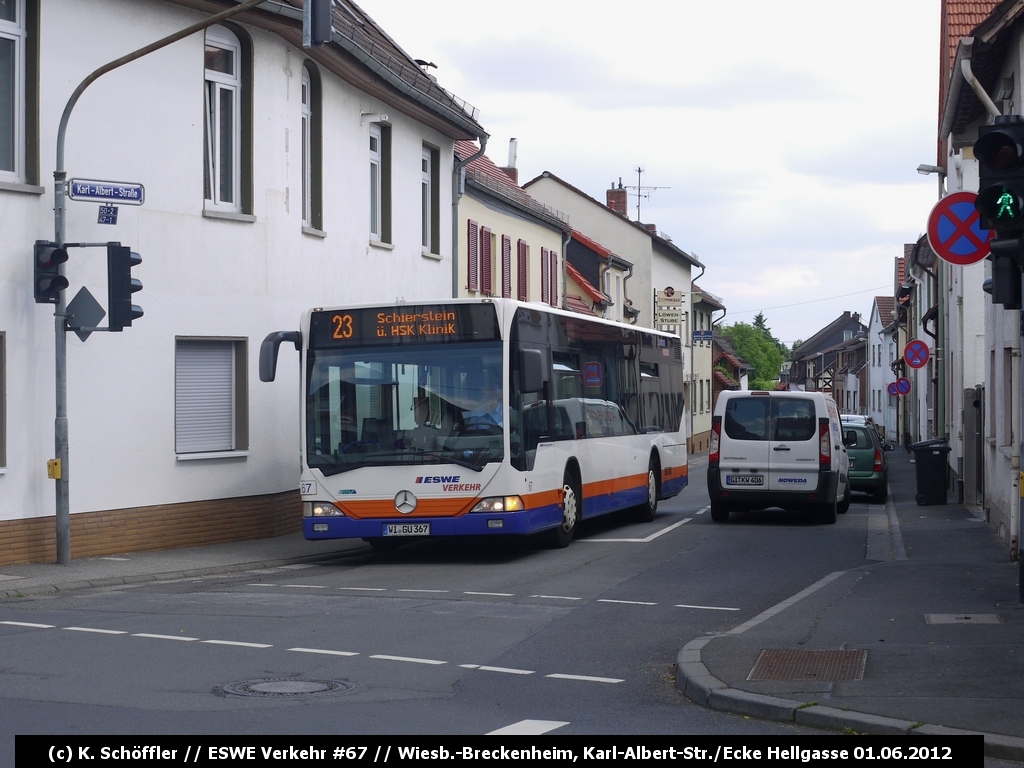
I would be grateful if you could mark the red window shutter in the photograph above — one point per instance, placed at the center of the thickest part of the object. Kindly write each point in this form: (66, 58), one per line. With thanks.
(486, 282)
(472, 246)
(554, 279)
(544, 275)
(506, 267)
(521, 277)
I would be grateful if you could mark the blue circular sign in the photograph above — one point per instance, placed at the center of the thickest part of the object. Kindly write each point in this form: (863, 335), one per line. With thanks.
(916, 354)
(903, 386)
(954, 230)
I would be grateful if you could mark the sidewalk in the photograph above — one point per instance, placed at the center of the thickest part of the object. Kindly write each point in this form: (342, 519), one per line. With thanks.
(935, 606)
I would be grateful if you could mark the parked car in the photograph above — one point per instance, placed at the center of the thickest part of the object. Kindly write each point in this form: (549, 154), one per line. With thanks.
(869, 467)
(777, 449)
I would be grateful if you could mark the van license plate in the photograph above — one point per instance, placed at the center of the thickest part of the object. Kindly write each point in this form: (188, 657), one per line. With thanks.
(407, 529)
(744, 479)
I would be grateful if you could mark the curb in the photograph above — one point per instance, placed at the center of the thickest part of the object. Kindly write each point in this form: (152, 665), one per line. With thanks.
(144, 578)
(698, 684)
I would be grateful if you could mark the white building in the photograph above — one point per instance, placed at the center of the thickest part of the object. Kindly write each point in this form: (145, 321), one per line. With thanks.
(276, 179)
(881, 355)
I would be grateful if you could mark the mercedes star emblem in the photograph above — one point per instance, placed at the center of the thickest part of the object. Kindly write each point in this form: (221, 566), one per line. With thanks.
(405, 502)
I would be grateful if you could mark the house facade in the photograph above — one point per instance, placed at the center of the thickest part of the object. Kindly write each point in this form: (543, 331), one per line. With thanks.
(816, 362)
(881, 356)
(276, 179)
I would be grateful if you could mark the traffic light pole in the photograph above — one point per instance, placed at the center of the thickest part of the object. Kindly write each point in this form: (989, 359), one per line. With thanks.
(60, 429)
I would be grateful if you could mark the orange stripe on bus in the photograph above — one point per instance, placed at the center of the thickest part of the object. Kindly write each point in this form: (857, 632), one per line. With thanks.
(605, 487)
(673, 472)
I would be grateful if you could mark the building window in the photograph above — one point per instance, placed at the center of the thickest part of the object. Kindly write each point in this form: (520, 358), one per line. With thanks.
(430, 200)
(522, 272)
(227, 129)
(312, 148)
(210, 396)
(3, 399)
(473, 256)
(553, 279)
(12, 90)
(380, 182)
(506, 266)
(545, 274)
(486, 262)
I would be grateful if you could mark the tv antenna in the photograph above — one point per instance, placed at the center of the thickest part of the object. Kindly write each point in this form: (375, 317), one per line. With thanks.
(641, 190)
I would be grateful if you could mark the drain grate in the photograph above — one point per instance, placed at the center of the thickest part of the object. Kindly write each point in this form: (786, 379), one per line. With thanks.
(809, 665)
(288, 687)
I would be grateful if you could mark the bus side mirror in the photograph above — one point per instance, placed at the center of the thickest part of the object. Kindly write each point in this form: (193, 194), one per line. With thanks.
(268, 351)
(531, 370)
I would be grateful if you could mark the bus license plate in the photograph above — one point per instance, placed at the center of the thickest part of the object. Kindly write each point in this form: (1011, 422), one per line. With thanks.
(407, 529)
(744, 479)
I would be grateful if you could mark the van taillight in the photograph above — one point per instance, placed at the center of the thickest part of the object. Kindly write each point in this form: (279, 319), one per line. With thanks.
(824, 445)
(716, 438)
(878, 461)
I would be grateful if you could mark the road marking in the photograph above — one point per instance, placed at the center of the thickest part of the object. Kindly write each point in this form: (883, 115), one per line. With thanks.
(556, 597)
(491, 594)
(778, 608)
(323, 651)
(27, 624)
(166, 637)
(297, 566)
(528, 728)
(898, 553)
(97, 631)
(702, 511)
(365, 589)
(646, 540)
(505, 670)
(625, 602)
(261, 585)
(432, 591)
(409, 659)
(241, 645)
(304, 586)
(118, 559)
(587, 678)
(707, 607)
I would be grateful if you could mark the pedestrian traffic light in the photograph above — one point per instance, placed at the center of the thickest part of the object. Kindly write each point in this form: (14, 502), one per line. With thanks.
(1006, 271)
(1000, 153)
(121, 285)
(320, 27)
(47, 281)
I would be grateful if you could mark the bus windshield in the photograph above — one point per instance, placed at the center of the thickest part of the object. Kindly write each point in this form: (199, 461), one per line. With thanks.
(404, 405)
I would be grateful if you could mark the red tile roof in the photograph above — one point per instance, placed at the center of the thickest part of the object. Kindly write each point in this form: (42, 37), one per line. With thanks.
(960, 17)
(886, 305)
(575, 304)
(590, 290)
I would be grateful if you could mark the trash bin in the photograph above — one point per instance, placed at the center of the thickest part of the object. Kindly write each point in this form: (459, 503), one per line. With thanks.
(930, 459)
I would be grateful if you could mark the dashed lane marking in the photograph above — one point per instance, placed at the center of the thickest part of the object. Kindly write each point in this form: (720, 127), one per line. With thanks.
(505, 670)
(166, 637)
(97, 631)
(587, 678)
(702, 511)
(491, 594)
(304, 586)
(646, 540)
(324, 651)
(235, 642)
(708, 607)
(528, 728)
(556, 597)
(410, 659)
(427, 591)
(27, 624)
(364, 589)
(624, 602)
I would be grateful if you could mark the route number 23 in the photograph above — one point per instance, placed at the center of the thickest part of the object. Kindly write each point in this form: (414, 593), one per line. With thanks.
(342, 326)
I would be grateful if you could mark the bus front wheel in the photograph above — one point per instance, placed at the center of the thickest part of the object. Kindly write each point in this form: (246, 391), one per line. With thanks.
(645, 512)
(571, 509)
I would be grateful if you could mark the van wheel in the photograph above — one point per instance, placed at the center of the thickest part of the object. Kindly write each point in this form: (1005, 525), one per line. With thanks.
(827, 512)
(844, 505)
(572, 507)
(719, 512)
(645, 512)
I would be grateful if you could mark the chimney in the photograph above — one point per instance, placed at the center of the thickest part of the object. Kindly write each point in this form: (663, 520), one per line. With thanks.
(510, 170)
(618, 198)
(652, 228)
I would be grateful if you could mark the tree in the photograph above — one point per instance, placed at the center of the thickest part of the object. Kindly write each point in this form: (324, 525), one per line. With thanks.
(757, 348)
(761, 323)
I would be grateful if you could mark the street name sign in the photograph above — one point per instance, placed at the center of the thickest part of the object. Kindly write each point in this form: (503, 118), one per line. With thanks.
(954, 230)
(106, 191)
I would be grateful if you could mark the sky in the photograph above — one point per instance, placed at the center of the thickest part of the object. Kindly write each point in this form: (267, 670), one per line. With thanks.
(783, 137)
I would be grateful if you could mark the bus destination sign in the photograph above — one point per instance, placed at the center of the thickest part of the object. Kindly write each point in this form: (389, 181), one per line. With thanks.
(403, 325)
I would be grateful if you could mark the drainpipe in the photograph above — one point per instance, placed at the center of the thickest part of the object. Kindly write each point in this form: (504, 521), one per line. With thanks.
(693, 363)
(967, 46)
(625, 294)
(458, 186)
(566, 237)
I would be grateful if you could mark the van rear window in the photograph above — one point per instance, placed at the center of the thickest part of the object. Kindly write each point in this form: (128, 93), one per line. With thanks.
(755, 418)
(746, 418)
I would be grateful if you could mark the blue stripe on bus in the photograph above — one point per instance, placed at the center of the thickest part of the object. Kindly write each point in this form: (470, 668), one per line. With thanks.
(672, 487)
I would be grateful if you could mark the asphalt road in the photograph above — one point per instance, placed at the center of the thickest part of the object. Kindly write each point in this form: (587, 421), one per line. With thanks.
(437, 637)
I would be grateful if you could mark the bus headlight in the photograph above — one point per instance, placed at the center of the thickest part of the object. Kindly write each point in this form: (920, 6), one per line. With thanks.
(320, 509)
(500, 504)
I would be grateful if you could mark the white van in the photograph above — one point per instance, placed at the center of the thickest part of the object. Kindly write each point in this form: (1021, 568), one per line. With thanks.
(777, 449)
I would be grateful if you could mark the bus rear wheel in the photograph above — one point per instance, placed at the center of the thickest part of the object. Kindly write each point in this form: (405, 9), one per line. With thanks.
(572, 499)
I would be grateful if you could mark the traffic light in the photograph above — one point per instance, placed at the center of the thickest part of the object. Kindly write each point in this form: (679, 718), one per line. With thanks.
(47, 281)
(1000, 153)
(121, 285)
(1006, 260)
(320, 26)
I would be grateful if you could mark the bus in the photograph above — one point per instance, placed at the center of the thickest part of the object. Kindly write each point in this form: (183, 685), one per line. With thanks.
(481, 417)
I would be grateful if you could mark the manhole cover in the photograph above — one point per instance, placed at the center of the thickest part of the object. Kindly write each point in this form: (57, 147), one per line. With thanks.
(288, 687)
(809, 665)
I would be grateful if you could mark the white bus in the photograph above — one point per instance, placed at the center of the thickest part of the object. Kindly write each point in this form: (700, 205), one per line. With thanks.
(481, 417)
